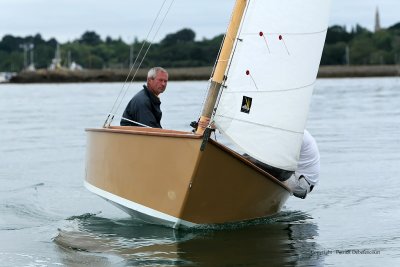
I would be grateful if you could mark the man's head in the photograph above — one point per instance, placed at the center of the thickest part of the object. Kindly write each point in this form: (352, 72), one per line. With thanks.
(157, 79)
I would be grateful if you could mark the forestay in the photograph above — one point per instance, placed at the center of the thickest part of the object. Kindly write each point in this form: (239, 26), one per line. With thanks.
(264, 105)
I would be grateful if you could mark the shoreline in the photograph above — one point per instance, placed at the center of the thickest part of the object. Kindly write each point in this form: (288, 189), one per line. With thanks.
(359, 71)
(185, 74)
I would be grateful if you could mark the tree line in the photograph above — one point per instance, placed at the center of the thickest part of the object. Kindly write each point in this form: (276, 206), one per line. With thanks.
(359, 46)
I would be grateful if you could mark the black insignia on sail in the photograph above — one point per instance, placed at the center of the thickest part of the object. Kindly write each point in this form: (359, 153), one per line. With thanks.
(246, 104)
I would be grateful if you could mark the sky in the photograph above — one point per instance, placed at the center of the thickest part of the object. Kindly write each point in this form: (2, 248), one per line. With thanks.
(67, 20)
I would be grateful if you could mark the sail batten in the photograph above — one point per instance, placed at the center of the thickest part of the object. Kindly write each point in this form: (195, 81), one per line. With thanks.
(271, 76)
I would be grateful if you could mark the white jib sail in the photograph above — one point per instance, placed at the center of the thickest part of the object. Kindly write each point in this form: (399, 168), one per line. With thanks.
(263, 108)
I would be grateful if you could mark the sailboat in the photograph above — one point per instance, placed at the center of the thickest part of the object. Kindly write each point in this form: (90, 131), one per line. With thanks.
(258, 98)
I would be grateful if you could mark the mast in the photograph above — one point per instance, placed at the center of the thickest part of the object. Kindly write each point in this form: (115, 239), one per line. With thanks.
(222, 63)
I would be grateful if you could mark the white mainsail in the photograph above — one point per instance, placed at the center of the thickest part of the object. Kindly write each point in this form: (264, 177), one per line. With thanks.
(264, 104)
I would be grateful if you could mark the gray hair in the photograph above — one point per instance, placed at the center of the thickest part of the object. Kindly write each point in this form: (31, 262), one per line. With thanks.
(153, 72)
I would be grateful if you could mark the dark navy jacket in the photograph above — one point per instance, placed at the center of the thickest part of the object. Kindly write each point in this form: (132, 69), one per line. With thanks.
(144, 108)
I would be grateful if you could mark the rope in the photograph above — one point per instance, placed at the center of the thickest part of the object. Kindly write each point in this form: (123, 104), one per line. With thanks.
(141, 124)
(126, 85)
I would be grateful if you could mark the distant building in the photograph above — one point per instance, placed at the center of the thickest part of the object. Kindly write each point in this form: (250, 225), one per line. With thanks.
(56, 61)
(75, 66)
(28, 47)
(3, 77)
(31, 67)
(377, 21)
(6, 76)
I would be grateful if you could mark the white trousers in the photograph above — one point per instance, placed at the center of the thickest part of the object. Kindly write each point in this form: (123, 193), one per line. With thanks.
(299, 186)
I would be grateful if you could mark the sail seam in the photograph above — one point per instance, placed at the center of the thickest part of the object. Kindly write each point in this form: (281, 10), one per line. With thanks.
(259, 124)
(287, 33)
(271, 91)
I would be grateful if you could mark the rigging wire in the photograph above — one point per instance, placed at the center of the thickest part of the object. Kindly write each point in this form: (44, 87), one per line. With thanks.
(230, 59)
(210, 79)
(145, 54)
(106, 124)
(126, 85)
(215, 65)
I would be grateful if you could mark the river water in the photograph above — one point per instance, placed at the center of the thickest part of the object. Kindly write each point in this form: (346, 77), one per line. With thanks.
(47, 217)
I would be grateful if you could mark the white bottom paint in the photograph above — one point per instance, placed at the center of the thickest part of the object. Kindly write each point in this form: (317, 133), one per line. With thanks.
(139, 211)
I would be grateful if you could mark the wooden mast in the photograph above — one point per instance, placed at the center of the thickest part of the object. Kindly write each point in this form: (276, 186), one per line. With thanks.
(222, 64)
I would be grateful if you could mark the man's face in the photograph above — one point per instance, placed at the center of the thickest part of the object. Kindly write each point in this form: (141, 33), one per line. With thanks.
(158, 84)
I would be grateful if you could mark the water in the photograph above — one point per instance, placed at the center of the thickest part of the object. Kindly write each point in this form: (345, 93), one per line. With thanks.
(47, 218)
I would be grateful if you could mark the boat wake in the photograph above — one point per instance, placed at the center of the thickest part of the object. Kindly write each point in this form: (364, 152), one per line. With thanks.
(275, 240)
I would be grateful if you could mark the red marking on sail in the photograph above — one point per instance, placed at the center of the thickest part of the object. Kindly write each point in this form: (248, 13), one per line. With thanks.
(265, 39)
(248, 74)
(284, 43)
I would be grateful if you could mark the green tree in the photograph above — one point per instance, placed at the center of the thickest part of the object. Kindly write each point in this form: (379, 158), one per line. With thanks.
(334, 54)
(10, 43)
(337, 34)
(180, 49)
(361, 49)
(182, 36)
(90, 38)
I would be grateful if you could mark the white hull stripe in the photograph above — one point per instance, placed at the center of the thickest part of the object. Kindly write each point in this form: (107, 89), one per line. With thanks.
(175, 222)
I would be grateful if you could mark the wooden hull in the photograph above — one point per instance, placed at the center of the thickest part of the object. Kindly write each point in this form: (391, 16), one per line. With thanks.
(162, 176)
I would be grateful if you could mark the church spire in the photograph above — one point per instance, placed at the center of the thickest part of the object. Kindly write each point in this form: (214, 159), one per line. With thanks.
(377, 20)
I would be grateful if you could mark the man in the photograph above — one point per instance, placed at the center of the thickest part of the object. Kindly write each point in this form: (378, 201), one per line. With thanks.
(307, 174)
(144, 107)
(302, 181)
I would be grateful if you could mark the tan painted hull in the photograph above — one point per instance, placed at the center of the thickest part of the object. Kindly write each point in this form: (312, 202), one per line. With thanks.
(162, 176)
